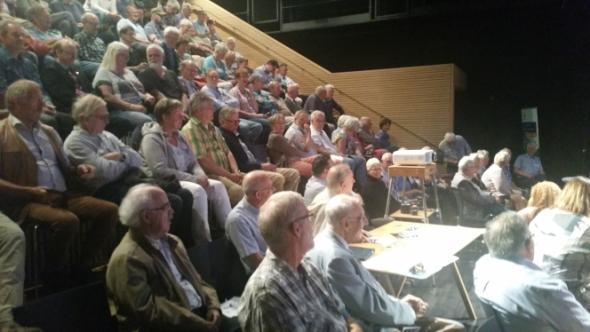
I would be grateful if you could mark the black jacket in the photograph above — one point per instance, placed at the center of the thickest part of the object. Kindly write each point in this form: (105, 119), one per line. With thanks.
(233, 142)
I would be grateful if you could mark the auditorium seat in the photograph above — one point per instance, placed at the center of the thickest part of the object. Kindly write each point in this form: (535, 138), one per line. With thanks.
(83, 308)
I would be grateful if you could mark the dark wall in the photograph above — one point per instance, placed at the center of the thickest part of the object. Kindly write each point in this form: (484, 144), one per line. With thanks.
(513, 58)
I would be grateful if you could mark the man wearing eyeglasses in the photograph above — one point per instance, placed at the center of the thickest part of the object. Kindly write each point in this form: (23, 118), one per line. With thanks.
(364, 298)
(151, 281)
(287, 292)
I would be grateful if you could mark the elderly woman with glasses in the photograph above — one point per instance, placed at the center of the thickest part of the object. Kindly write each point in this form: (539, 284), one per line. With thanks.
(167, 153)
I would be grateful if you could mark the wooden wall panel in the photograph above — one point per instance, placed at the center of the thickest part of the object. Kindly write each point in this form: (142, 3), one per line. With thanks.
(420, 99)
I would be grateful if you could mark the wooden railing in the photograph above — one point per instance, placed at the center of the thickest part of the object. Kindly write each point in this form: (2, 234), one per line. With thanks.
(420, 100)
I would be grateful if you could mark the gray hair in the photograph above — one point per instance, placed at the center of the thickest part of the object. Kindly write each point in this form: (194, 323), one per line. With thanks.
(138, 199)
(171, 30)
(154, 47)
(483, 154)
(225, 112)
(109, 59)
(340, 206)
(292, 86)
(275, 217)
(502, 158)
(372, 162)
(317, 114)
(351, 122)
(387, 155)
(185, 22)
(86, 107)
(319, 90)
(19, 92)
(220, 48)
(506, 235)
(197, 101)
(465, 162)
(341, 120)
(329, 87)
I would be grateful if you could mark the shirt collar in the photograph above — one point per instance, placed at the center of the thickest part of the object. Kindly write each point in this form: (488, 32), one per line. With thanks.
(339, 240)
(16, 123)
(249, 207)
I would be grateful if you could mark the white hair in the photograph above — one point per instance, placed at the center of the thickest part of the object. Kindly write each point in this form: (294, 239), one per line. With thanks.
(171, 30)
(138, 199)
(154, 47)
(317, 114)
(465, 162)
(372, 162)
(185, 22)
(109, 59)
(329, 87)
(339, 207)
(220, 48)
(502, 158)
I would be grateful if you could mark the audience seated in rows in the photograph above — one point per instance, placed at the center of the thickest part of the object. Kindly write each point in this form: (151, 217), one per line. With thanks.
(151, 282)
(282, 78)
(364, 298)
(168, 154)
(137, 55)
(133, 20)
(122, 90)
(325, 146)
(282, 178)
(317, 183)
(242, 222)
(188, 70)
(287, 292)
(524, 297)
(117, 165)
(528, 169)
(39, 184)
(543, 196)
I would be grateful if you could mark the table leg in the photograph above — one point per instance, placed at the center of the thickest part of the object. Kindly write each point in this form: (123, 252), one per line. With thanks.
(463, 292)
(401, 287)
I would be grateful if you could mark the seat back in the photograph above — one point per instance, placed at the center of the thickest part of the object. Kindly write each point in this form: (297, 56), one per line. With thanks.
(508, 322)
(83, 308)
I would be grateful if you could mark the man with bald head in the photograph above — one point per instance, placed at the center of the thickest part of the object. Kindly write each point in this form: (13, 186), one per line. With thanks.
(242, 222)
(339, 180)
(287, 292)
(152, 284)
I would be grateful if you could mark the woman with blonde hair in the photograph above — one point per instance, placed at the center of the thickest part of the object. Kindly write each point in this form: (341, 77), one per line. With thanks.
(543, 195)
(557, 231)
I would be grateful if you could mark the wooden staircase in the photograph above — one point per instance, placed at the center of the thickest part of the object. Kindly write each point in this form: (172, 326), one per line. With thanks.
(420, 100)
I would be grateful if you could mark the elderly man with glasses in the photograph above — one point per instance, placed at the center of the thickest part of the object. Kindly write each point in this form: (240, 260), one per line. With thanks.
(152, 285)
(287, 292)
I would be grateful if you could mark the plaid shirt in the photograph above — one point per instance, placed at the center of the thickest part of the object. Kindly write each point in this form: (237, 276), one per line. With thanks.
(91, 48)
(277, 298)
(207, 141)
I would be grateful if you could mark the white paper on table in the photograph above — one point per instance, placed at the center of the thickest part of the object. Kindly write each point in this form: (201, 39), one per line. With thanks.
(229, 308)
(385, 241)
(401, 263)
